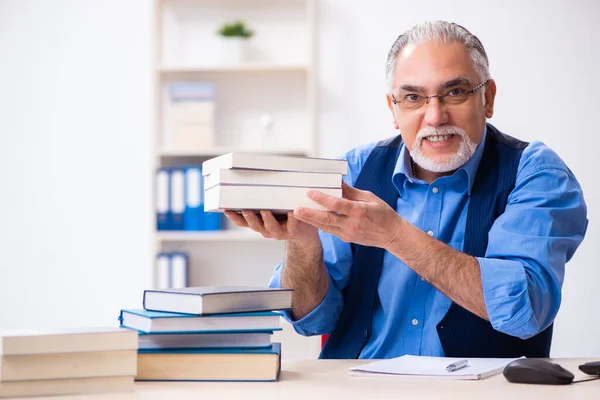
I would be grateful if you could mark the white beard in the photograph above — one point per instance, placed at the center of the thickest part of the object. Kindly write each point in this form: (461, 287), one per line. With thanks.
(446, 162)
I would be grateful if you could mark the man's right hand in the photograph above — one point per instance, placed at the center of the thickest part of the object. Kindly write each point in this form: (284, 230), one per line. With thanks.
(290, 229)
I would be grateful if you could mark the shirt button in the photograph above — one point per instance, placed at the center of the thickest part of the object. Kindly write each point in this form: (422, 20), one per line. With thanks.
(415, 321)
(435, 190)
(430, 233)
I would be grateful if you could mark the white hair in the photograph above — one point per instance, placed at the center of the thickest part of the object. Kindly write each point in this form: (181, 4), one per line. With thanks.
(440, 32)
(446, 162)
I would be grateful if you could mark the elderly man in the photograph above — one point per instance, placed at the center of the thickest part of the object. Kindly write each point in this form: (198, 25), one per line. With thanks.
(452, 237)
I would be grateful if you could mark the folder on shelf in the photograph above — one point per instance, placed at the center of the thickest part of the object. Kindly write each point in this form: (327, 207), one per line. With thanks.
(177, 198)
(162, 199)
(194, 218)
(163, 262)
(192, 109)
(179, 270)
(171, 270)
(194, 200)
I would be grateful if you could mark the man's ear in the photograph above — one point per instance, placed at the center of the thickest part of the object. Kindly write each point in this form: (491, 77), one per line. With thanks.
(392, 108)
(490, 96)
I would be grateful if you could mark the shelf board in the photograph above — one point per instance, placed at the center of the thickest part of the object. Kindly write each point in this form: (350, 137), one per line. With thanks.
(250, 67)
(217, 151)
(245, 235)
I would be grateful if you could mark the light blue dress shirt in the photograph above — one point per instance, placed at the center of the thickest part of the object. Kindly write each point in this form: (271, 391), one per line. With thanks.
(522, 273)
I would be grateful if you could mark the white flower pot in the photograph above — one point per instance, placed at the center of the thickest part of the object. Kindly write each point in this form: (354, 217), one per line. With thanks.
(234, 50)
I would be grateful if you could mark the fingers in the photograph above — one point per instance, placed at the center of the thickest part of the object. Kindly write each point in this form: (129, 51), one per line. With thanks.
(272, 225)
(236, 218)
(352, 193)
(332, 203)
(255, 223)
(292, 224)
(323, 220)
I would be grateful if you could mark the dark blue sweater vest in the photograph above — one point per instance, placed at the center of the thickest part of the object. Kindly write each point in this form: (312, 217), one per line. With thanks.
(461, 333)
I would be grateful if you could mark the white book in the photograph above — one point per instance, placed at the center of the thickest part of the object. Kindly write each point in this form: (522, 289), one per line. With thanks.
(66, 341)
(275, 198)
(62, 387)
(274, 163)
(97, 364)
(217, 299)
(205, 340)
(271, 178)
(432, 367)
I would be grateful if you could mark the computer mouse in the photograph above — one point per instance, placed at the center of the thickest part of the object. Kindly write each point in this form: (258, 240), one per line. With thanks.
(530, 370)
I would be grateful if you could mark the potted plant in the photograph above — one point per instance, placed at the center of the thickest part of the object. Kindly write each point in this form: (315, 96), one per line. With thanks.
(235, 36)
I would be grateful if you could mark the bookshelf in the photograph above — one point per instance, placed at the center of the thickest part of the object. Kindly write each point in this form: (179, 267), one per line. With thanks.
(226, 235)
(278, 79)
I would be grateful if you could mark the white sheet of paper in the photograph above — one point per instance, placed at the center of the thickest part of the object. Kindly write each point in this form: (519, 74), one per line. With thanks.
(432, 367)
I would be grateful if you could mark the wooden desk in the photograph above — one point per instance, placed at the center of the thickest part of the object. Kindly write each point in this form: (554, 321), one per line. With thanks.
(328, 379)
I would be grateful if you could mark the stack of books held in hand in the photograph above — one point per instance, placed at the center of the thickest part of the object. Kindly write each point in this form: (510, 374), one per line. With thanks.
(94, 360)
(208, 333)
(247, 181)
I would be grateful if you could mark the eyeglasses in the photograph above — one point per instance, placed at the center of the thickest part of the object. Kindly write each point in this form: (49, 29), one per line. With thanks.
(452, 96)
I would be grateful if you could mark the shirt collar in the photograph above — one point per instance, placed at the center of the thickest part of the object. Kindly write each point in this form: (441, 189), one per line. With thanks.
(403, 169)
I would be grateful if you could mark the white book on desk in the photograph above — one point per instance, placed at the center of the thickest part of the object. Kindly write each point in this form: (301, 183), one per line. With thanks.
(432, 367)
(205, 300)
(22, 342)
(62, 387)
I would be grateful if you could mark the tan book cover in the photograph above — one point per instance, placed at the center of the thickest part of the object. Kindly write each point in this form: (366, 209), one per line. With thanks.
(17, 342)
(67, 366)
(210, 365)
(63, 387)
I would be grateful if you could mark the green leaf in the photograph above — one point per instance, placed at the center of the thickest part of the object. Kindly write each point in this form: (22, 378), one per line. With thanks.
(235, 29)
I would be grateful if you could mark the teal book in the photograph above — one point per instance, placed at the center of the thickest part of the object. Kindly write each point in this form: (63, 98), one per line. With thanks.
(169, 323)
(246, 365)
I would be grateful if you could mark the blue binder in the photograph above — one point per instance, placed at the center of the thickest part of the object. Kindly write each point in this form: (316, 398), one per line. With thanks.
(162, 199)
(211, 221)
(195, 219)
(194, 199)
(177, 198)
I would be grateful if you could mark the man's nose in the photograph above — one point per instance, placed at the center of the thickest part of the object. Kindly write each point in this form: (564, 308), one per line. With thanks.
(435, 112)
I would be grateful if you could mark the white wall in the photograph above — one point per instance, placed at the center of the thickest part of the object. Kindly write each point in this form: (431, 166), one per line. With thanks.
(75, 85)
(75, 104)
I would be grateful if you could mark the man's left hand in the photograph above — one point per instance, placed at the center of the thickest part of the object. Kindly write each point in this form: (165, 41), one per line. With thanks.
(359, 217)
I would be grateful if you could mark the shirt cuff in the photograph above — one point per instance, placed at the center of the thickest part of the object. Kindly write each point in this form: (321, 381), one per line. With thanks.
(507, 298)
(322, 318)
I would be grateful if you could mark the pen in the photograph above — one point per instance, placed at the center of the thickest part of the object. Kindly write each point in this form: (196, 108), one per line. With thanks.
(457, 365)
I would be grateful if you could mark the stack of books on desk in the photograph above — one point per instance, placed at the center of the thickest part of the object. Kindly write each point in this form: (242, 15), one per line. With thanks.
(208, 333)
(246, 181)
(100, 360)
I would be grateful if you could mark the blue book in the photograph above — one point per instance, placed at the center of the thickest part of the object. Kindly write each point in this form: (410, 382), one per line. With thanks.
(161, 322)
(263, 364)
